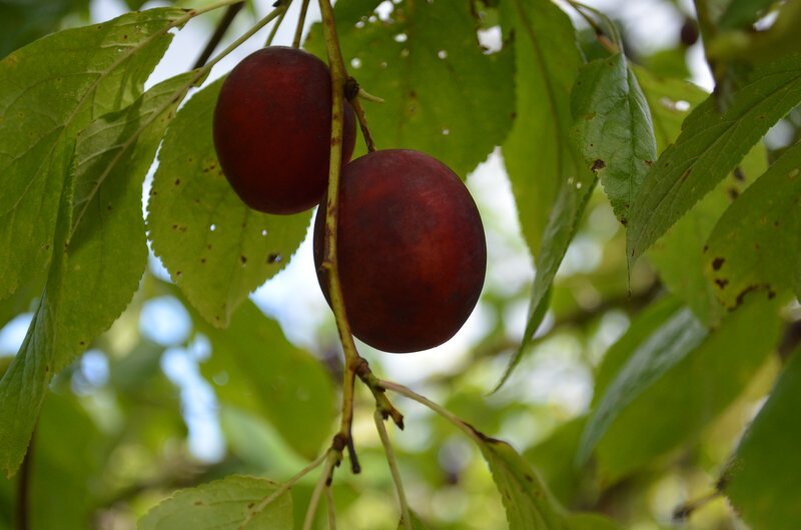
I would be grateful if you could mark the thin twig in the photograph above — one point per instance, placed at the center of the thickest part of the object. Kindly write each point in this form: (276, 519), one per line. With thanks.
(683, 512)
(286, 486)
(304, 7)
(362, 117)
(277, 25)
(338, 79)
(214, 41)
(393, 468)
(442, 411)
(332, 511)
(322, 482)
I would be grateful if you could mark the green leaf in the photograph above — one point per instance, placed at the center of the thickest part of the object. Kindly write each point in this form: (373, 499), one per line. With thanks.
(23, 21)
(692, 393)
(417, 523)
(590, 521)
(562, 227)
(49, 91)
(222, 505)
(94, 277)
(670, 101)
(528, 503)
(216, 248)
(757, 242)
(762, 479)
(656, 355)
(442, 95)
(680, 257)
(264, 371)
(613, 128)
(743, 13)
(653, 317)
(710, 146)
(538, 154)
(69, 457)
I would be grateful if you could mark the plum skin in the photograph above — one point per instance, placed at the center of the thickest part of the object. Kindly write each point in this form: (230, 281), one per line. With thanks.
(411, 250)
(272, 129)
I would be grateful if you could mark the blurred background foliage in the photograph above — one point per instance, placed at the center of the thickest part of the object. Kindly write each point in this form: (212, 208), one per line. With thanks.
(163, 400)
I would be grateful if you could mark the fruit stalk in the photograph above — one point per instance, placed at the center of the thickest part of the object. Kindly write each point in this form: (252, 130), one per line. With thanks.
(338, 78)
(219, 32)
(406, 517)
(354, 363)
(304, 7)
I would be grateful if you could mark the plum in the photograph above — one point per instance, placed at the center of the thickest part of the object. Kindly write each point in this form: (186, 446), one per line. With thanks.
(411, 250)
(272, 128)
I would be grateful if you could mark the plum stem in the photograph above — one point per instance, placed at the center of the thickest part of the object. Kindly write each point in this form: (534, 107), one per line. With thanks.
(304, 7)
(362, 117)
(332, 515)
(338, 79)
(286, 486)
(355, 364)
(393, 468)
(324, 481)
(277, 25)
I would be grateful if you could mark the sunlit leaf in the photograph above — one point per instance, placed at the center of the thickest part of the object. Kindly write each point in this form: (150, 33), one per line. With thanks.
(762, 479)
(216, 248)
(757, 242)
(710, 146)
(441, 94)
(95, 275)
(49, 91)
(538, 154)
(222, 505)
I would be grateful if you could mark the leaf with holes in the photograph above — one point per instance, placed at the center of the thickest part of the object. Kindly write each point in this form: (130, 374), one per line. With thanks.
(49, 91)
(756, 245)
(216, 248)
(227, 504)
(441, 94)
(613, 129)
(710, 146)
(94, 278)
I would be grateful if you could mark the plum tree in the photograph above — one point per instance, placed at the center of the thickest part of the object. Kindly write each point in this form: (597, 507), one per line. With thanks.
(411, 250)
(272, 128)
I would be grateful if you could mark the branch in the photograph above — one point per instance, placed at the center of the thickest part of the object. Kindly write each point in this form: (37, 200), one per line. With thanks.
(393, 467)
(324, 481)
(219, 33)
(301, 21)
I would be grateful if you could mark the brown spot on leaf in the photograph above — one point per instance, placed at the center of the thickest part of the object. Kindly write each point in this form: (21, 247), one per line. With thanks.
(598, 165)
(733, 193)
(721, 282)
(717, 263)
(177, 182)
(738, 174)
(274, 258)
(243, 259)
